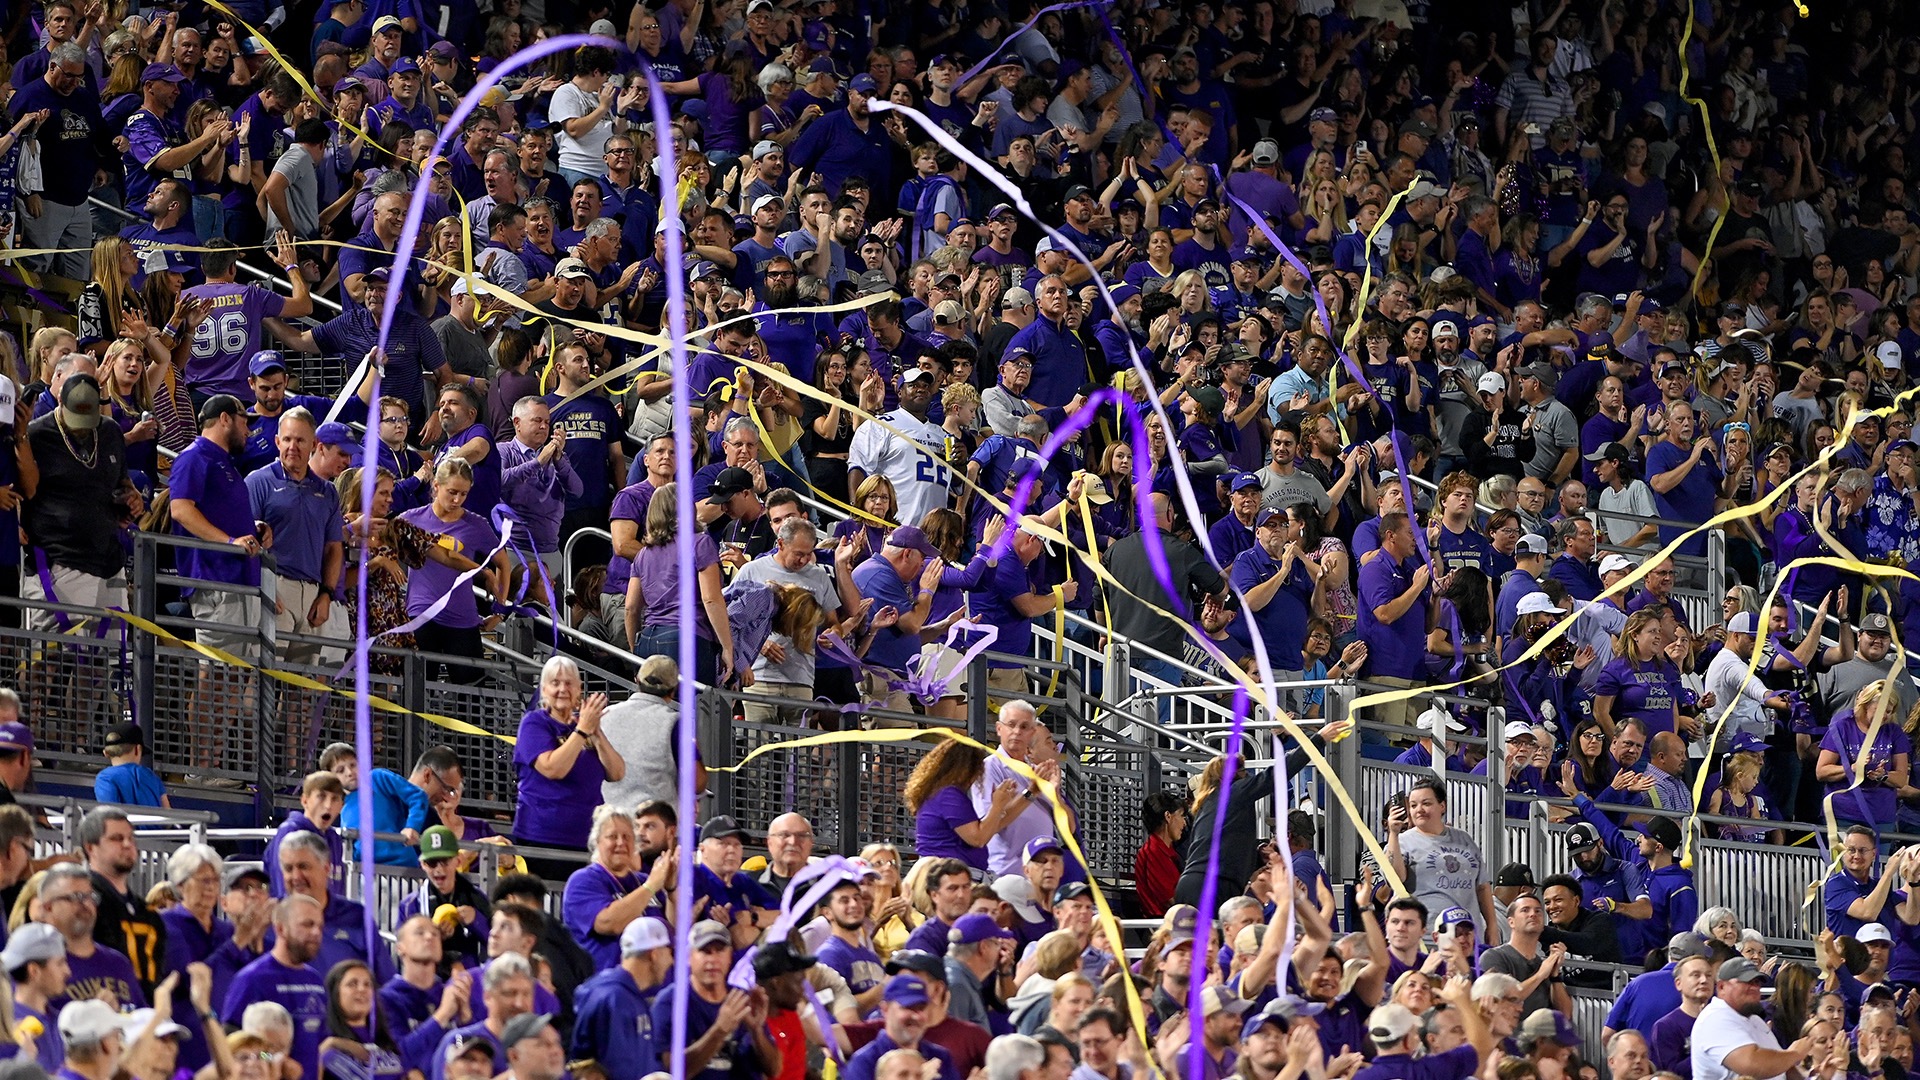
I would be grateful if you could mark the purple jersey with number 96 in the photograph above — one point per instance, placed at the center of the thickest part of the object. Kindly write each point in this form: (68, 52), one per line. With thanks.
(228, 336)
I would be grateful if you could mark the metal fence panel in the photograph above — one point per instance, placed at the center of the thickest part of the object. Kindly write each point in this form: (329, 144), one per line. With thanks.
(805, 780)
(206, 718)
(486, 763)
(74, 687)
(1590, 1019)
(296, 752)
(1466, 795)
(1766, 885)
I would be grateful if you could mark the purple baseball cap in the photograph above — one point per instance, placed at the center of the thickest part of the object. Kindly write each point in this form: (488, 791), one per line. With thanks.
(15, 735)
(863, 83)
(162, 73)
(912, 538)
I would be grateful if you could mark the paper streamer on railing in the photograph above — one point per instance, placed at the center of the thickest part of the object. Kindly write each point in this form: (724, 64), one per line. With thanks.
(1210, 887)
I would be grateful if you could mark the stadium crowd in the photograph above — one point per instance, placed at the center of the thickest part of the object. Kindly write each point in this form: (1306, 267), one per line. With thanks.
(1554, 317)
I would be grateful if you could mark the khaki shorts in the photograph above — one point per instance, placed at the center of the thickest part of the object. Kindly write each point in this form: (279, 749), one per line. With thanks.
(230, 611)
(1004, 684)
(1398, 714)
(74, 587)
(296, 602)
(876, 693)
(758, 713)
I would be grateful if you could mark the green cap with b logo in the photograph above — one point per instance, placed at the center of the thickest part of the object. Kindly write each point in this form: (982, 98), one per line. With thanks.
(438, 842)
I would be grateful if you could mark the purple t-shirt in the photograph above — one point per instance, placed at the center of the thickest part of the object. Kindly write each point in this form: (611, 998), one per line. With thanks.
(300, 989)
(629, 504)
(107, 971)
(1397, 649)
(555, 812)
(658, 569)
(207, 475)
(1870, 802)
(471, 536)
(590, 890)
(933, 828)
(858, 964)
(1646, 692)
(725, 126)
(1669, 1045)
(228, 336)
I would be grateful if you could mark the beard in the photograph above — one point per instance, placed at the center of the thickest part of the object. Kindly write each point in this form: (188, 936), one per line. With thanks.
(783, 296)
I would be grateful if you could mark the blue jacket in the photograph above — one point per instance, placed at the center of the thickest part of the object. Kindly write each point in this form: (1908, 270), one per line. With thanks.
(613, 1024)
(397, 805)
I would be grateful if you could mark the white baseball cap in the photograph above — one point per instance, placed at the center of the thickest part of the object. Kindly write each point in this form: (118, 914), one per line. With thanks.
(1492, 383)
(1615, 561)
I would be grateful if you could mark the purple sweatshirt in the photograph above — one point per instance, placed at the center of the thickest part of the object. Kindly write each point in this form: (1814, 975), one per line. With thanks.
(537, 491)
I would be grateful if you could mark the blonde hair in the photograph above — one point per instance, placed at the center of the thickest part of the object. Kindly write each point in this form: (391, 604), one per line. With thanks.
(1056, 954)
(959, 396)
(23, 904)
(113, 284)
(1063, 983)
(1865, 702)
(1744, 765)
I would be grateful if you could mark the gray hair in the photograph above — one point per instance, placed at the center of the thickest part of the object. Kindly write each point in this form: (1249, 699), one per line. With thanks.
(738, 423)
(771, 74)
(1011, 1056)
(67, 53)
(1853, 480)
(1233, 905)
(501, 968)
(1704, 924)
(501, 154)
(791, 529)
(1017, 706)
(309, 842)
(66, 871)
(600, 228)
(187, 860)
(93, 827)
(389, 182)
(554, 665)
(1613, 1043)
(963, 950)
(602, 814)
(1567, 529)
(1033, 426)
(263, 1017)
(1593, 302)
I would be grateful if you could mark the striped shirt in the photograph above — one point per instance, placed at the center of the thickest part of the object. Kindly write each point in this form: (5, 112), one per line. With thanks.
(1529, 100)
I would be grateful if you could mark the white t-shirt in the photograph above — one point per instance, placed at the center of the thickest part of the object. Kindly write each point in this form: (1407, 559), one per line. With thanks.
(1719, 1032)
(587, 154)
(1733, 691)
(1635, 498)
(917, 466)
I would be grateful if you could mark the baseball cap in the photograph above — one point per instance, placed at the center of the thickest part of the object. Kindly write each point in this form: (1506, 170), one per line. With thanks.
(1281, 1010)
(573, 268)
(863, 84)
(777, 958)
(1452, 917)
(460, 1046)
(385, 23)
(1437, 717)
(1267, 516)
(1444, 327)
(237, 872)
(334, 433)
(1324, 114)
(135, 1022)
(1738, 969)
(127, 734)
(975, 928)
(1685, 944)
(1390, 1023)
(1744, 622)
(1581, 837)
(1610, 451)
(912, 538)
(1082, 191)
(1417, 126)
(438, 842)
(644, 935)
(447, 50)
(720, 825)
(166, 73)
(1223, 999)
(404, 65)
(166, 260)
(1183, 922)
(33, 941)
(524, 1026)
(1245, 481)
(1491, 383)
(1514, 875)
(1516, 729)
(709, 932)
(1876, 623)
(1424, 189)
(1072, 890)
(1016, 892)
(1209, 398)
(1663, 831)
(267, 360)
(1122, 293)
(949, 312)
(1538, 603)
(1549, 1024)
(88, 1021)
(1267, 152)
(1544, 373)
(760, 150)
(918, 961)
(913, 375)
(905, 990)
(1871, 932)
(1532, 544)
(1041, 845)
(731, 481)
(1746, 742)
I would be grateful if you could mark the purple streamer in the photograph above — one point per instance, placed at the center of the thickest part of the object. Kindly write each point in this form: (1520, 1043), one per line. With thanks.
(988, 60)
(1210, 888)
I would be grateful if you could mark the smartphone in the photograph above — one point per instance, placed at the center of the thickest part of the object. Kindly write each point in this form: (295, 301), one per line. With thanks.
(1359, 147)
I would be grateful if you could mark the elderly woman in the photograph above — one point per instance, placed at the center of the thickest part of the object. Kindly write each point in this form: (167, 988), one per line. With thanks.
(197, 934)
(613, 890)
(1719, 924)
(891, 918)
(561, 760)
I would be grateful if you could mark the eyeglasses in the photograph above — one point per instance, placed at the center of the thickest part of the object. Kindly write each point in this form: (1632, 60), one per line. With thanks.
(619, 151)
(780, 273)
(89, 897)
(393, 419)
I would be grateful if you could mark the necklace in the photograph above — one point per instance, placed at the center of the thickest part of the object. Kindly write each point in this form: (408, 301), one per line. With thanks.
(92, 455)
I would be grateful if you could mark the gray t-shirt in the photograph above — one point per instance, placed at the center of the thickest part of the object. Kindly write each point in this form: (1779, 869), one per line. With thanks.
(1277, 492)
(466, 349)
(1507, 960)
(1554, 433)
(303, 193)
(1841, 682)
(798, 668)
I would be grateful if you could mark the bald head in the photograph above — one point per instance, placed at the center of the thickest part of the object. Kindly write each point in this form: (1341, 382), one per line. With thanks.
(1668, 752)
(1162, 510)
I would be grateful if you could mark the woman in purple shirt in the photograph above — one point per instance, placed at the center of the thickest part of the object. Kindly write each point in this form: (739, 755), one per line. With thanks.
(730, 94)
(653, 592)
(945, 824)
(560, 761)
(455, 630)
(1640, 682)
(1881, 766)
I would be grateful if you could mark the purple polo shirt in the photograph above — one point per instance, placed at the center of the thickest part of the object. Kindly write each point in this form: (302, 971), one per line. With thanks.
(1397, 649)
(553, 812)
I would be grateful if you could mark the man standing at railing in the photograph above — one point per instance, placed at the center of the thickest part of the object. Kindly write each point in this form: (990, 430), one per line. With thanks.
(1393, 601)
(74, 478)
(1684, 473)
(302, 512)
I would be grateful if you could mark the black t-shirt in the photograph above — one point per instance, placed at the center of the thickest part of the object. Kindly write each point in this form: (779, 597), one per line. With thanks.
(77, 495)
(125, 925)
(1132, 619)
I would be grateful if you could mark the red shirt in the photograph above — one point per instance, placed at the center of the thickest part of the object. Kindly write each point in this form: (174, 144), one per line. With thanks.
(1155, 873)
(784, 1028)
